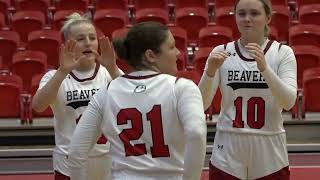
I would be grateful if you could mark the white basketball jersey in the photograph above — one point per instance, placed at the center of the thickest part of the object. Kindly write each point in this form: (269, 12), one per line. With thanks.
(143, 126)
(247, 103)
(72, 99)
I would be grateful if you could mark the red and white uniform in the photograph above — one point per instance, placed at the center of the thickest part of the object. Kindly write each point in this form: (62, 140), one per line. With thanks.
(155, 124)
(252, 102)
(72, 99)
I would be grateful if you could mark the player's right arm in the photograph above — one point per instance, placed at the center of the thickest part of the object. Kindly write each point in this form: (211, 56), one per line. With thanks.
(47, 94)
(191, 114)
(85, 135)
(210, 78)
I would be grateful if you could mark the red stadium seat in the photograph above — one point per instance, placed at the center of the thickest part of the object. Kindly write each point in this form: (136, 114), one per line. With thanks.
(279, 2)
(309, 13)
(191, 3)
(143, 4)
(10, 90)
(180, 37)
(34, 87)
(26, 21)
(9, 42)
(1, 65)
(225, 17)
(280, 20)
(60, 16)
(152, 14)
(34, 5)
(311, 86)
(26, 64)
(224, 3)
(120, 33)
(273, 33)
(192, 20)
(304, 34)
(307, 56)
(108, 20)
(200, 58)
(111, 4)
(2, 20)
(213, 36)
(4, 11)
(79, 5)
(301, 3)
(47, 41)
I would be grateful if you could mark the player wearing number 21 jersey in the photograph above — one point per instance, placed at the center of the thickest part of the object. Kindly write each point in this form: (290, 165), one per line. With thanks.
(154, 121)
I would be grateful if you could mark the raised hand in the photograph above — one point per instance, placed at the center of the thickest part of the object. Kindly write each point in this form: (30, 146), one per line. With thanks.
(108, 55)
(215, 60)
(257, 53)
(67, 56)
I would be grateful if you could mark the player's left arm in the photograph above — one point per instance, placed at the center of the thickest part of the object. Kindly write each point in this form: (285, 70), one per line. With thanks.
(283, 83)
(85, 136)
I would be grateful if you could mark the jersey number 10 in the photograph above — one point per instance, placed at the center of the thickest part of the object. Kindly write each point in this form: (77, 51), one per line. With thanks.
(159, 149)
(255, 105)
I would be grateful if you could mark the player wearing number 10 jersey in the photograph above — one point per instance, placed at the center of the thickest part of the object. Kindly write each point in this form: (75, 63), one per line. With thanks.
(257, 79)
(154, 122)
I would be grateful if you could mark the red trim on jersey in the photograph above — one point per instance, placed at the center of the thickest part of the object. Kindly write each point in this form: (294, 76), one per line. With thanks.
(139, 77)
(247, 59)
(89, 78)
(177, 78)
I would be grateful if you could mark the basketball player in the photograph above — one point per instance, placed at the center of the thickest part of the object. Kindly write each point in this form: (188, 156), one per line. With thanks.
(154, 121)
(257, 79)
(69, 88)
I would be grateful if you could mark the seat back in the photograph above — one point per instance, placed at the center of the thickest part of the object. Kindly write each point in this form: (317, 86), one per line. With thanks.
(26, 64)
(192, 20)
(25, 22)
(304, 34)
(213, 36)
(108, 20)
(308, 14)
(311, 86)
(47, 41)
(9, 42)
(10, 90)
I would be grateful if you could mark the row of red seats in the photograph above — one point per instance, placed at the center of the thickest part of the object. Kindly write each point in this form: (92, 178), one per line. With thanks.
(48, 41)
(17, 104)
(197, 15)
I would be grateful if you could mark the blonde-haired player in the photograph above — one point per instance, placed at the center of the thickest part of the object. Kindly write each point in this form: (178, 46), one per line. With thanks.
(69, 89)
(154, 121)
(257, 79)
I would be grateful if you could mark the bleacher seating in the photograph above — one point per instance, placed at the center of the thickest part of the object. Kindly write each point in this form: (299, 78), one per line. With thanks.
(311, 86)
(152, 14)
(47, 41)
(24, 22)
(108, 20)
(307, 56)
(10, 91)
(213, 36)
(304, 34)
(26, 64)
(111, 4)
(192, 20)
(309, 14)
